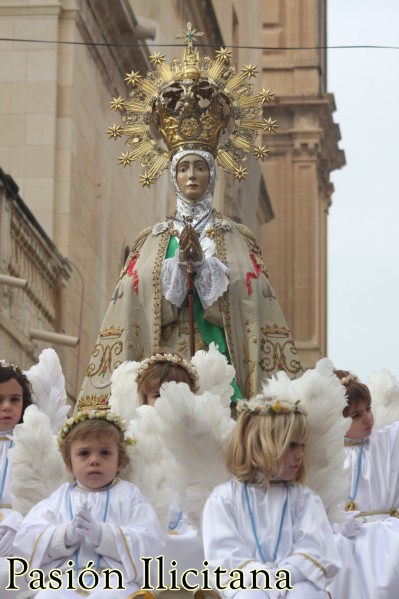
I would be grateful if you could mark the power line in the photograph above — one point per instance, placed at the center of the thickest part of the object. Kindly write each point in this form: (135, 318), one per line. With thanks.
(160, 45)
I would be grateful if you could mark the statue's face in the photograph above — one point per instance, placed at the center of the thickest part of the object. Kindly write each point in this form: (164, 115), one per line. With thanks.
(192, 176)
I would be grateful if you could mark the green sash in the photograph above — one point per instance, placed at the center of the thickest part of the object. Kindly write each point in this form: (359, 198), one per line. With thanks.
(209, 332)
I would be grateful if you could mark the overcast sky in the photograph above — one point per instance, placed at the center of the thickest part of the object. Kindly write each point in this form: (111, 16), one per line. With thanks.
(363, 279)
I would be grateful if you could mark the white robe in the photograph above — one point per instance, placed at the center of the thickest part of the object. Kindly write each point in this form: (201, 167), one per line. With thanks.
(377, 544)
(10, 520)
(6, 499)
(183, 542)
(183, 550)
(131, 519)
(306, 542)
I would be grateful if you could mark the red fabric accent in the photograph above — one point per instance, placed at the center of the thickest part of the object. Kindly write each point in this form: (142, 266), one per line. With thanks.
(133, 273)
(252, 275)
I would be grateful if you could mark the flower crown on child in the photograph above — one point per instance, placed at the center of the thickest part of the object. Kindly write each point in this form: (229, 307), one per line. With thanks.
(14, 367)
(83, 415)
(172, 359)
(260, 404)
(350, 378)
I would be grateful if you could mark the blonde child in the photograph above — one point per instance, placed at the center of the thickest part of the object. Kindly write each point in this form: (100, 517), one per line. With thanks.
(264, 518)
(97, 518)
(372, 457)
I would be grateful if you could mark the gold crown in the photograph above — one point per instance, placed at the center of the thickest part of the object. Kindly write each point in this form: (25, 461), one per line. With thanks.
(190, 103)
(111, 331)
(94, 402)
(191, 128)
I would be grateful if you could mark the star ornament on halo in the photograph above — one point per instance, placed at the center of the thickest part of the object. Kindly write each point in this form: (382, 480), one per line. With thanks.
(240, 173)
(114, 131)
(269, 125)
(133, 77)
(224, 53)
(147, 180)
(267, 96)
(157, 58)
(118, 103)
(261, 152)
(125, 158)
(250, 70)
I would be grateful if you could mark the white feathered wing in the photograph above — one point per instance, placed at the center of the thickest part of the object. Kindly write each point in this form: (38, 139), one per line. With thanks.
(195, 430)
(384, 390)
(48, 386)
(149, 465)
(324, 399)
(153, 464)
(215, 373)
(124, 398)
(36, 464)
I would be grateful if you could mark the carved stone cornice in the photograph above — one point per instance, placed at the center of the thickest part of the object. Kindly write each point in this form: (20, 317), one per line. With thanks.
(306, 126)
(11, 9)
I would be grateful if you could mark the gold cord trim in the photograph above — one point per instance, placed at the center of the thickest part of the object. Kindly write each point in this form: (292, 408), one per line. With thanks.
(157, 286)
(313, 561)
(128, 552)
(394, 513)
(222, 255)
(242, 566)
(353, 443)
(35, 546)
(6, 506)
(249, 561)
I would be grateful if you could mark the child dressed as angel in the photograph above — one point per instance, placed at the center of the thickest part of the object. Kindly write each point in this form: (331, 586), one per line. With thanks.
(373, 501)
(97, 519)
(264, 518)
(43, 385)
(15, 397)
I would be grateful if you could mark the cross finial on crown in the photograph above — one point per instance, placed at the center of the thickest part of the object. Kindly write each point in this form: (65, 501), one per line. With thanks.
(189, 35)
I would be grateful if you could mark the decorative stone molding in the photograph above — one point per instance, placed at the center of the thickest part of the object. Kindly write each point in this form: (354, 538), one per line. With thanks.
(27, 253)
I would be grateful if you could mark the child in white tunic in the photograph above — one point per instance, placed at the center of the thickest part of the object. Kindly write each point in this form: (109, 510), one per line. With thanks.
(98, 518)
(372, 457)
(15, 397)
(264, 518)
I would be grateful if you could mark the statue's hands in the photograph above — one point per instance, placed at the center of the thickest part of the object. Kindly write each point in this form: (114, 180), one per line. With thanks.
(190, 246)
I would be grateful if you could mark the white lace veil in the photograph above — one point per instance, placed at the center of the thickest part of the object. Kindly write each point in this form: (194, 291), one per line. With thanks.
(203, 205)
